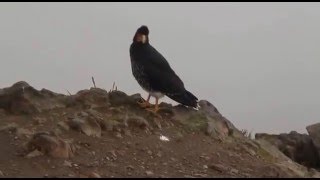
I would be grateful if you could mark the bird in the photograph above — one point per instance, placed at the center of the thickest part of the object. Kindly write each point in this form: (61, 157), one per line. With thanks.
(155, 75)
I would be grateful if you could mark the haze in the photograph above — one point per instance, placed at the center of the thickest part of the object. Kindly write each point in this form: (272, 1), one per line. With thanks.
(258, 63)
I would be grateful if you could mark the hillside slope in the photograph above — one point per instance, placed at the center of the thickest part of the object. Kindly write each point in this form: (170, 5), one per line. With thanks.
(96, 133)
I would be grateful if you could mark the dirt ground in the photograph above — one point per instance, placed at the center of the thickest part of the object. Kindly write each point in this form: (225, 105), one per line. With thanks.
(135, 154)
(43, 134)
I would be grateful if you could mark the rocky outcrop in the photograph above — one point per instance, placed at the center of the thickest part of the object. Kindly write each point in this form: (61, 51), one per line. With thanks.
(298, 147)
(42, 121)
(21, 98)
(314, 133)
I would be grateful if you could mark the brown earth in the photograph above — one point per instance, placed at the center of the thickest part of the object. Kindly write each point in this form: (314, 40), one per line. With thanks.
(96, 133)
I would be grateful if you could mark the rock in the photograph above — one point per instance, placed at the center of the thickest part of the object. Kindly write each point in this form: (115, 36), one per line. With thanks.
(200, 175)
(118, 135)
(298, 147)
(67, 163)
(95, 97)
(218, 167)
(34, 153)
(50, 144)
(249, 150)
(118, 98)
(188, 176)
(83, 114)
(173, 159)
(94, 175)
(136, 97)
(234, 171)
(149, 173)
(1, 174)
(130, 167)
(21, 132)
(113, 153)
(159, 154)
(205, 167)
(207, 158)
(217, 129)
(136, 121)
(314, 133)
(88, 126)
(21, 98)
(282, 162)
(208, 107)
(12, 127)
(63, 125)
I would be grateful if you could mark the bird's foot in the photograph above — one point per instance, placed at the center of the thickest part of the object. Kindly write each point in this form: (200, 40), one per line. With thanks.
(144, 104)
(154, 111)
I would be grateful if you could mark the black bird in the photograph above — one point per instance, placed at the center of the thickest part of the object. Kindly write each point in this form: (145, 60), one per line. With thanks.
(154, 74)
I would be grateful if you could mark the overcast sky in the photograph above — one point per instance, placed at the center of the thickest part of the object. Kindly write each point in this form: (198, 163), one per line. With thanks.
(258, 63)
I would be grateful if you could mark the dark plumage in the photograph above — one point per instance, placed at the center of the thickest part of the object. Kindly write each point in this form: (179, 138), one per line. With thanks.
(154, 74)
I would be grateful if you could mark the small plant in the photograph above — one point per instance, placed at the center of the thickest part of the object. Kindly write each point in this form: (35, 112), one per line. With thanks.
(114, 87)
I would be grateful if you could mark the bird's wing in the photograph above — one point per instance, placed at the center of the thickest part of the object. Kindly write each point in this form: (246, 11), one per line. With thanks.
(161, 75)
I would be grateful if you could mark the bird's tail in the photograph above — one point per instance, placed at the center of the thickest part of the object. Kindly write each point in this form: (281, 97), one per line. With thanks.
(186, 98)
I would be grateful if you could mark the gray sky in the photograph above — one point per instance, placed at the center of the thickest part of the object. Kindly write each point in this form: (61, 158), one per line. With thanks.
(258, 63)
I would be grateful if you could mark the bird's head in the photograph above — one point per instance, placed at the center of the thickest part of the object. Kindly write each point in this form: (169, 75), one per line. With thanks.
(141, 35)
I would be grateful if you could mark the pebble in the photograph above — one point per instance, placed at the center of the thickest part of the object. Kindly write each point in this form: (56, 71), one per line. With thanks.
(159, 154)
(118, 135)
(130, 167)
(1, 173)
(234, 171)
(67, 163)
(205, 167)
(218, 167)
(34, 153)
(94, 175)
(149, 173)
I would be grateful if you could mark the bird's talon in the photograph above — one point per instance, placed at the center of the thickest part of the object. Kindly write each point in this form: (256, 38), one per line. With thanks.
(154, 111)
(144, 104)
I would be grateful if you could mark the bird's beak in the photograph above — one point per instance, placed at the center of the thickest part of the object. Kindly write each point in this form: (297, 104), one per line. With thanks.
(141, 38)
(144, 39)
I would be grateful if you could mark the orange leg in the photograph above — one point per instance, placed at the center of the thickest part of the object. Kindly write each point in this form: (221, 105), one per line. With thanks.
(145, 103)
(156, 108)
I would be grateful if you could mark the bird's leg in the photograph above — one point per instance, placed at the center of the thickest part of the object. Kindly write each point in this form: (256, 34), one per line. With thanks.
(156, 108)
(145, 103)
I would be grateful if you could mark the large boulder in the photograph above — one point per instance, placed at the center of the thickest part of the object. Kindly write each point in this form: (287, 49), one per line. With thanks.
(298, 147)
(314, 133)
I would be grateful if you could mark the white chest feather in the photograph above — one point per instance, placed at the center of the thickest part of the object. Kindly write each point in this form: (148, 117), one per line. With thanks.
(156, 94)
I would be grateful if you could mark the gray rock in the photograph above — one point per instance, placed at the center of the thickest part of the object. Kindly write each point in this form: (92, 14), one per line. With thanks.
(88, 126)
(149, 173)
(218, 167)
(50, 144)
(9, 127)
(314, 133)
(34, 153)
(298, 147)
